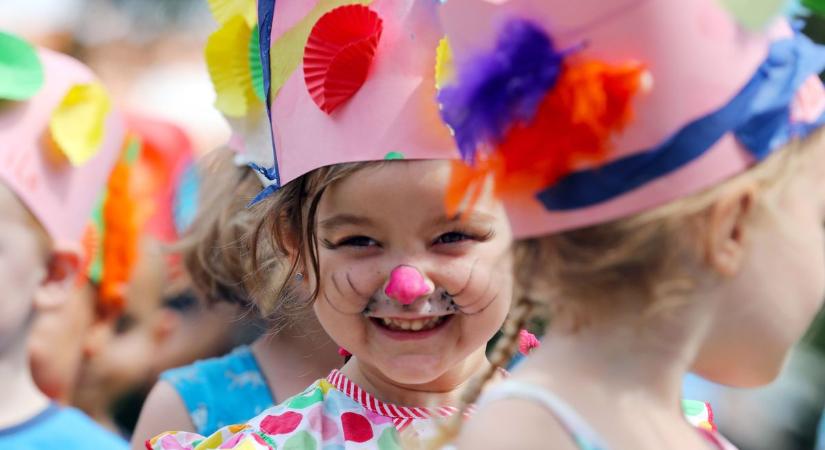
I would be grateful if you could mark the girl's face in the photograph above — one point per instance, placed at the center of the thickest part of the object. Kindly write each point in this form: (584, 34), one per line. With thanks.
(410, 292)
(770, 303)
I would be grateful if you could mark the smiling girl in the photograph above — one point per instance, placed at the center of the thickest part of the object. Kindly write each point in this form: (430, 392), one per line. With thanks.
(413, 293)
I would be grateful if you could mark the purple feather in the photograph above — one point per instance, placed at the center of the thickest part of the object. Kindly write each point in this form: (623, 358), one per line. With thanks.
(493, 91)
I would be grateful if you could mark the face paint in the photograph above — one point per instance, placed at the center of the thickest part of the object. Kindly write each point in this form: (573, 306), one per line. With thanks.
(439, 303)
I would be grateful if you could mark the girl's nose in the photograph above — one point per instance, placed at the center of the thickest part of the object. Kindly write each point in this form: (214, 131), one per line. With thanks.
(406, 284)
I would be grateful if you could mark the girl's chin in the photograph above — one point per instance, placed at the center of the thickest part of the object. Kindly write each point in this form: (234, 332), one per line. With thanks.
(414, 370)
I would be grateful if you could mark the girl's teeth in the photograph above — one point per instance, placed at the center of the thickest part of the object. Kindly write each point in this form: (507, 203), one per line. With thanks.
(411, 325)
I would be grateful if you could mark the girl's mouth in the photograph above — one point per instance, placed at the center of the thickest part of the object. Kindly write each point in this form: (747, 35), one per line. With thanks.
(411, 324)
(411, 328)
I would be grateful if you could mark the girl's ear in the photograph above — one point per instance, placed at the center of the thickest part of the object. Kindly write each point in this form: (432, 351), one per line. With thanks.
(60, 278)
(728, 228)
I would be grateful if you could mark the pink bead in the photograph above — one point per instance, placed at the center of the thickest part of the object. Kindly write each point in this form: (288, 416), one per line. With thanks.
(527, 342)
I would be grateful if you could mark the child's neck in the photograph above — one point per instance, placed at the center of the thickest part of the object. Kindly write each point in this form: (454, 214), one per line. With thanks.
(22, 400)
(626, 354)
(293, 358)
(442, 391)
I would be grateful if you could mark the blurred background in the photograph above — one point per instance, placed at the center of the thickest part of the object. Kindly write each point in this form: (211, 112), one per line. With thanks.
(149, 53)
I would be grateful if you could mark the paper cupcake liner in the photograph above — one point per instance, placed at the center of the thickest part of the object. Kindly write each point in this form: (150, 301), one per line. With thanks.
(339, 53)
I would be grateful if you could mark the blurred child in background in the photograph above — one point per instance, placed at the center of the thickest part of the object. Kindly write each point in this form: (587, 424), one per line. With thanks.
(213, 393)
(164, 324)
(59, 139)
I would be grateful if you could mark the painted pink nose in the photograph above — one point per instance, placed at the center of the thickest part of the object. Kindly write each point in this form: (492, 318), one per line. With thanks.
(406, 285)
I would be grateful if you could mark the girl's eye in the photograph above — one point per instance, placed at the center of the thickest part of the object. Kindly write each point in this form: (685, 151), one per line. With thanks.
(357, 241)
(453, 237)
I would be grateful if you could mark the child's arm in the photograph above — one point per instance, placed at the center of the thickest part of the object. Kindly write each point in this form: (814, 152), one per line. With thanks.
(164, 410)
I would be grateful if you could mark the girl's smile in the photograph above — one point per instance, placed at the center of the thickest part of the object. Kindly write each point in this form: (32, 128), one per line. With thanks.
(408, 329)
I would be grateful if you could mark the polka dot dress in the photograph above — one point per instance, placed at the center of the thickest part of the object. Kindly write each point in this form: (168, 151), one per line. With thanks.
(332, 414)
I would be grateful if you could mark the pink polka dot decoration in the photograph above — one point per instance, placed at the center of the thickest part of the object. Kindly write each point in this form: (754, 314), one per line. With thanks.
(356, 427)
(283, 424)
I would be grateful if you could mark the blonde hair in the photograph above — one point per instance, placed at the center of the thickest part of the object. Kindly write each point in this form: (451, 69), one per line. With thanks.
(647, 255)
(650, 256)
(213, 249)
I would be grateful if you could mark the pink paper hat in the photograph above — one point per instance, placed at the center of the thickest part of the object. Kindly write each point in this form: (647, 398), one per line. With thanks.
(593, 110)
(350, 81)
(59, 140)
(165, 180)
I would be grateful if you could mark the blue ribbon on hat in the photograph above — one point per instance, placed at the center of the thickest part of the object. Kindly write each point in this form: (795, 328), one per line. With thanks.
(266, 11)
(759, 116)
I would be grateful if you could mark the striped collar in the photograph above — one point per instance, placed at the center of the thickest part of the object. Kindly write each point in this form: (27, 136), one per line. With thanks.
(401, 416)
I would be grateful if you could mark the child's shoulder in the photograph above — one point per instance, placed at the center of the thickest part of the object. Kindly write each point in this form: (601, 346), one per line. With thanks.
(239, 360)
(59, 427)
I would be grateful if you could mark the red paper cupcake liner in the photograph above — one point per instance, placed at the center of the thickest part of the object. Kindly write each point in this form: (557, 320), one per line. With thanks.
(339, 53)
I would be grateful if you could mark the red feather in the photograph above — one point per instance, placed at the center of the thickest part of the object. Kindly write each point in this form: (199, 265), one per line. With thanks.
(573, 127)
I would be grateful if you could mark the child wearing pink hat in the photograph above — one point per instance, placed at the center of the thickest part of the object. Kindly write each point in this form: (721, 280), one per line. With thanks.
(59, 138)
(352, 226)
(662, 161)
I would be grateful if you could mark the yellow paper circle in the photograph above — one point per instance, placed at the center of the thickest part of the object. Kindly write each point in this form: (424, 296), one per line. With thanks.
(77, 125)
(227, 58)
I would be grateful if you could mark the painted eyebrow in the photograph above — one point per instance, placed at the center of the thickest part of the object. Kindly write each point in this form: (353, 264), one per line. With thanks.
(343, 220)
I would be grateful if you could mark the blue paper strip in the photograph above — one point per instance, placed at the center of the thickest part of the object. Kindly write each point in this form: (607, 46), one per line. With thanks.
(759, 117)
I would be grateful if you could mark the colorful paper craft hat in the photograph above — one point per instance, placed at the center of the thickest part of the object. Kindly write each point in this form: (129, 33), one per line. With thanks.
(593, 110)
(165, 178)
(350, 81)
(152, 191)
(110, 243)
(59, 136)
(233, 58)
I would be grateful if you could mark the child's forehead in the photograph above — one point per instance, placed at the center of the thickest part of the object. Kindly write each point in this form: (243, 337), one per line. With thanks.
(416, 182)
